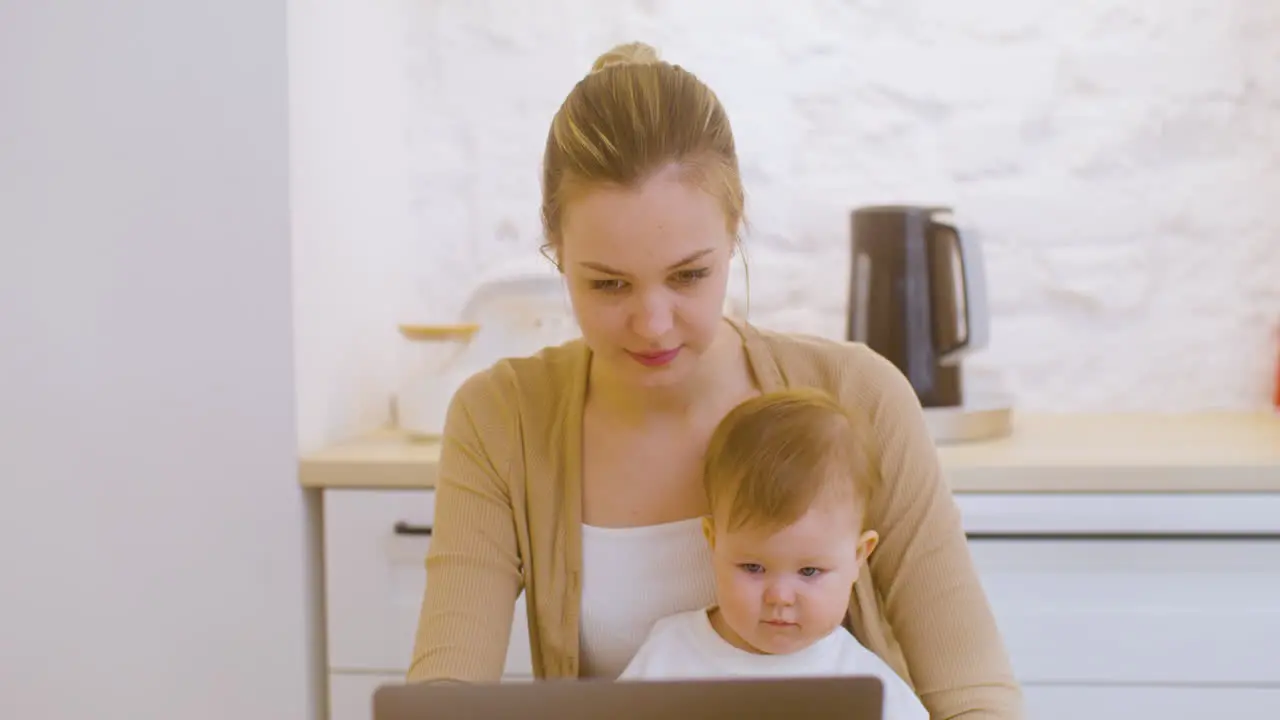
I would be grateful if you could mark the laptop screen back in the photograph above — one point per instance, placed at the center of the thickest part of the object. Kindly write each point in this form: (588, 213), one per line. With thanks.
(838, 698)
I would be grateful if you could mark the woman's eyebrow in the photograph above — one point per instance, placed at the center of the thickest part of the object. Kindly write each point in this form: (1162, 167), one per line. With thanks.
(602, 268)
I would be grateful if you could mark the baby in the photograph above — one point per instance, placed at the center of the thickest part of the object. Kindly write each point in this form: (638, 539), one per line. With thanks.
(787, 480)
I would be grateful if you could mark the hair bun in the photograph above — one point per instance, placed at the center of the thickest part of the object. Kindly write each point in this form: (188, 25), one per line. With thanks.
(632, 53)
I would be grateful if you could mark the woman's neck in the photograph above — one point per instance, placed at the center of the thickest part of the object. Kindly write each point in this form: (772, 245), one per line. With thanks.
(717, 376)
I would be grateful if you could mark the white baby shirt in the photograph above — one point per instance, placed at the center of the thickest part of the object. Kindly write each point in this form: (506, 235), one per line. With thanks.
(685, 646)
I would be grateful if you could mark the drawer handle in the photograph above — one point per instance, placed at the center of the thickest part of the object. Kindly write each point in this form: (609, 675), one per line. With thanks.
(404, 528)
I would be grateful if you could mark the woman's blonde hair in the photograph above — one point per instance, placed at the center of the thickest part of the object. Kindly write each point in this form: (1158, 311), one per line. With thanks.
(631, 116)
(776, 455)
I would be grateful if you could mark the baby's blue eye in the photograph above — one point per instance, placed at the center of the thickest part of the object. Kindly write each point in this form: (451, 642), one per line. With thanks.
(751, 568)
(809, 571)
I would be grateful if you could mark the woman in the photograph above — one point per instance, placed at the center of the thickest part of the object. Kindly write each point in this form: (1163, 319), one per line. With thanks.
(573, 475)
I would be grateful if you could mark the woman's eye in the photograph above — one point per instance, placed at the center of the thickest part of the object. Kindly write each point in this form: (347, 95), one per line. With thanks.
(611, 285)
(752, 568)
(689, 277)
(810, 571)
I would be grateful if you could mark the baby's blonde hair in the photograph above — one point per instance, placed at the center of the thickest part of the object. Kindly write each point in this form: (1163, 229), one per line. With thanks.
(774, 456)
(631, 116)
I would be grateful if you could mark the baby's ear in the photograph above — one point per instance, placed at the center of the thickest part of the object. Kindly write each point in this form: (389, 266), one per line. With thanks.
(709, 531)
(867, 544)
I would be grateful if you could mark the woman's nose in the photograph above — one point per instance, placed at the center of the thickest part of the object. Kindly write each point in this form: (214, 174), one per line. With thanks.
(653, 316)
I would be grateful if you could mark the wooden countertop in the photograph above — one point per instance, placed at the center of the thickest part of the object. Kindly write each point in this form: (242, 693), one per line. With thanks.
(1109, 453)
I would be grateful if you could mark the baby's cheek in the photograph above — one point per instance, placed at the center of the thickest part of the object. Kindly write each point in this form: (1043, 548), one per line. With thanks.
(833, 606)
(737, 599)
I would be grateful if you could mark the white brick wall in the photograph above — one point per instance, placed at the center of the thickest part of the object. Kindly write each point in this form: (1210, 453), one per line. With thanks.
(1120, 160)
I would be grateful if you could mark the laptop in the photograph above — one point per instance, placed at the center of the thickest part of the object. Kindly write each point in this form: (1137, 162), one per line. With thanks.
(836, 698)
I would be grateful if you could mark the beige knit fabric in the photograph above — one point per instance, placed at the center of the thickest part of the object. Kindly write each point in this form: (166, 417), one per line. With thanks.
(509, 514)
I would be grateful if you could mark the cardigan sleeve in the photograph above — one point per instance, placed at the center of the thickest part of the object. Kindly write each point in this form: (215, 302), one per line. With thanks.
(473, 563)
(933, 600)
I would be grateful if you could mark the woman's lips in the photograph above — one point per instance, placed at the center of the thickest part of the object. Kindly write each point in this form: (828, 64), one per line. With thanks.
(657, 359)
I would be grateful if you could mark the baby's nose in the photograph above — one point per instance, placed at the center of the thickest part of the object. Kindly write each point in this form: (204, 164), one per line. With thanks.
(779, 594)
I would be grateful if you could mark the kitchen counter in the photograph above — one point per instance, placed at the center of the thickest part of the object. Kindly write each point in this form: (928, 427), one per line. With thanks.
(1072, 453)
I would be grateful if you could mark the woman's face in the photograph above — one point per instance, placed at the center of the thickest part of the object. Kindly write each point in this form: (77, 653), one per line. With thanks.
(647, 270)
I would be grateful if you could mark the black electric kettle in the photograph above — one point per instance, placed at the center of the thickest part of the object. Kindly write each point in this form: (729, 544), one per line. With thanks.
(917, 295)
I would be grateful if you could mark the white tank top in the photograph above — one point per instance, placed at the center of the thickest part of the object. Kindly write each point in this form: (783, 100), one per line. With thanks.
(632, 577)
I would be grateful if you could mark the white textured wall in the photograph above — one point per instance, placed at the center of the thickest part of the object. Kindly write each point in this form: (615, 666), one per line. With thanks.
(1120, 159)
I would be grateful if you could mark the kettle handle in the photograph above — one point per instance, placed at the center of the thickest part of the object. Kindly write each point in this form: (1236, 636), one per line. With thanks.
(971, 290)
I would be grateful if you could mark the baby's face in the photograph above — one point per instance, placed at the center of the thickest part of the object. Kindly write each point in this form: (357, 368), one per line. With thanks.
(780, 591)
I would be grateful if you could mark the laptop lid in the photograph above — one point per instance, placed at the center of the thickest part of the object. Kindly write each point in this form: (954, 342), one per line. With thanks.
(837, 698)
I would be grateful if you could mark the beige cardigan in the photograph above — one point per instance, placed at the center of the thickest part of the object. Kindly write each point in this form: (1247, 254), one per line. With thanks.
(509, 515)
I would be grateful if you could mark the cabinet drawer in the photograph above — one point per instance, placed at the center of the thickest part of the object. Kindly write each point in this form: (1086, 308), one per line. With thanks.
(1155, 703)
(375, 577)
(1140, 612)
(351, 695)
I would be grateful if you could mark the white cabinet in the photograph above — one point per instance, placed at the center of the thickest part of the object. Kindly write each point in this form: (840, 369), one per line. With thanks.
(1170, 627)
(375, 545)
(1113, 607)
